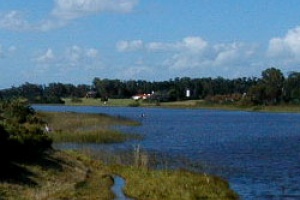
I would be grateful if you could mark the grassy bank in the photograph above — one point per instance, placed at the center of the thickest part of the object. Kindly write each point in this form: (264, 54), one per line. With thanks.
(98, 102)
(196, 104)
(57, 175)
(86, 128)
(180, 184)
(70, 175)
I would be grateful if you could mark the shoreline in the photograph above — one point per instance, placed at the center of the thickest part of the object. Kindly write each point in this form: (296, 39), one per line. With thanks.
(78, 175)
(187, 104)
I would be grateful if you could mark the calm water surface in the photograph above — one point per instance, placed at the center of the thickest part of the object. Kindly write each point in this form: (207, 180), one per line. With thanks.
(258, 153)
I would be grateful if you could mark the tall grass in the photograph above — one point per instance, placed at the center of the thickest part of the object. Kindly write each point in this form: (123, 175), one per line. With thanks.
(145, 182)
(97, 136)
(86, 128)
(169, 185)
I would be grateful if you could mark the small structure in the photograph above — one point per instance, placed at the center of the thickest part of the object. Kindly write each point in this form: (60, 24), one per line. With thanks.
(141, 96)
(91, 94)
(188, 93)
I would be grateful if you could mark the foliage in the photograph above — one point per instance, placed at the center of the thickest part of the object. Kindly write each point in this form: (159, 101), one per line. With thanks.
(22, 135)
(270, 89)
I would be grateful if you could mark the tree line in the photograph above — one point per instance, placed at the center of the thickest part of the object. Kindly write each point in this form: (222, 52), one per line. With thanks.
(271, 88)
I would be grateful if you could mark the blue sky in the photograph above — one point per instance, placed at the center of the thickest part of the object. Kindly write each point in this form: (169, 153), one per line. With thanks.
(73, 41)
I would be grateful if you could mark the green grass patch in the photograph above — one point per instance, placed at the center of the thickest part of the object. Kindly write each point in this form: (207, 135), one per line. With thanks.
(98, 102)
(86, 128)
(155, 185)
(72, 175)
(202, 104)
(97, 136)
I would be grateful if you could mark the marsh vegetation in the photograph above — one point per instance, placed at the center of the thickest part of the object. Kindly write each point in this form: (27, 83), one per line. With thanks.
(55, 174)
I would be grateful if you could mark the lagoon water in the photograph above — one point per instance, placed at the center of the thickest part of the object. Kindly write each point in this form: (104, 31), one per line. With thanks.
(258, 153)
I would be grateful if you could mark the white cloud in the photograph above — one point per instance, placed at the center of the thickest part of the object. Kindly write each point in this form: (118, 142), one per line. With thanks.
(74, 55)
(15, 21)
(194, 44)
(70, 60)
(46, 57)
(191, 44)
(125, 46)
(193, 52)
(159, 46)
(71, 9)
(287, 47)
(63, 12)
(92, 53)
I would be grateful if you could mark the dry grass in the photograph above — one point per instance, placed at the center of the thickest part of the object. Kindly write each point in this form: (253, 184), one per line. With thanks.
(70, 175)
(60, 176)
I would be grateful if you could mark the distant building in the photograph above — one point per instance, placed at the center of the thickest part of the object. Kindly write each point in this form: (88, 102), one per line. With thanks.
(141, 96)
(91, 94)
(188, 93)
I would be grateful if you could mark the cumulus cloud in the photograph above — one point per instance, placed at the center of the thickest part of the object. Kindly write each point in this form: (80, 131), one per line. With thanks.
(69, 63)
(125, 46)
(73, 57)
(71, 9)
(92, 53)
(191, 44)
(287, 47)
(194, 44)
(63, 12)
(15, 21)
(193, 52)
(46, 57)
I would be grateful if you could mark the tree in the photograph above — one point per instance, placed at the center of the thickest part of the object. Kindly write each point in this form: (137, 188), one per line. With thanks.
(273, 80)
(291, 90)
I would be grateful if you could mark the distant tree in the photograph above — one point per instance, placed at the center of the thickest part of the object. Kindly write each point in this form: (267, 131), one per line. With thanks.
(273, 80)
(291, 91)
(268, 89)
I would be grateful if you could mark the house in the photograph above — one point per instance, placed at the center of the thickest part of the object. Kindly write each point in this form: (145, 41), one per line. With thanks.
(91, 94)
(141, 96)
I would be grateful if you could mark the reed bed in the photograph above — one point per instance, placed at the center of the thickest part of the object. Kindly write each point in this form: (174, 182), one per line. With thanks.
(86, 128)
(149, 184)
(97, 136)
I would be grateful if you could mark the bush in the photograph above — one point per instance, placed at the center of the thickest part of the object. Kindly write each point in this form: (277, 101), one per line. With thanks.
(21, 132)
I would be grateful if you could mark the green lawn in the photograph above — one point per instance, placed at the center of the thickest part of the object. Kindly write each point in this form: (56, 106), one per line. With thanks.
(196, 104)
(98, 102)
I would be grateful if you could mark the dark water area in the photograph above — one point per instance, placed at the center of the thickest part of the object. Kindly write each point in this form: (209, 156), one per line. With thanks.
(258, 153)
